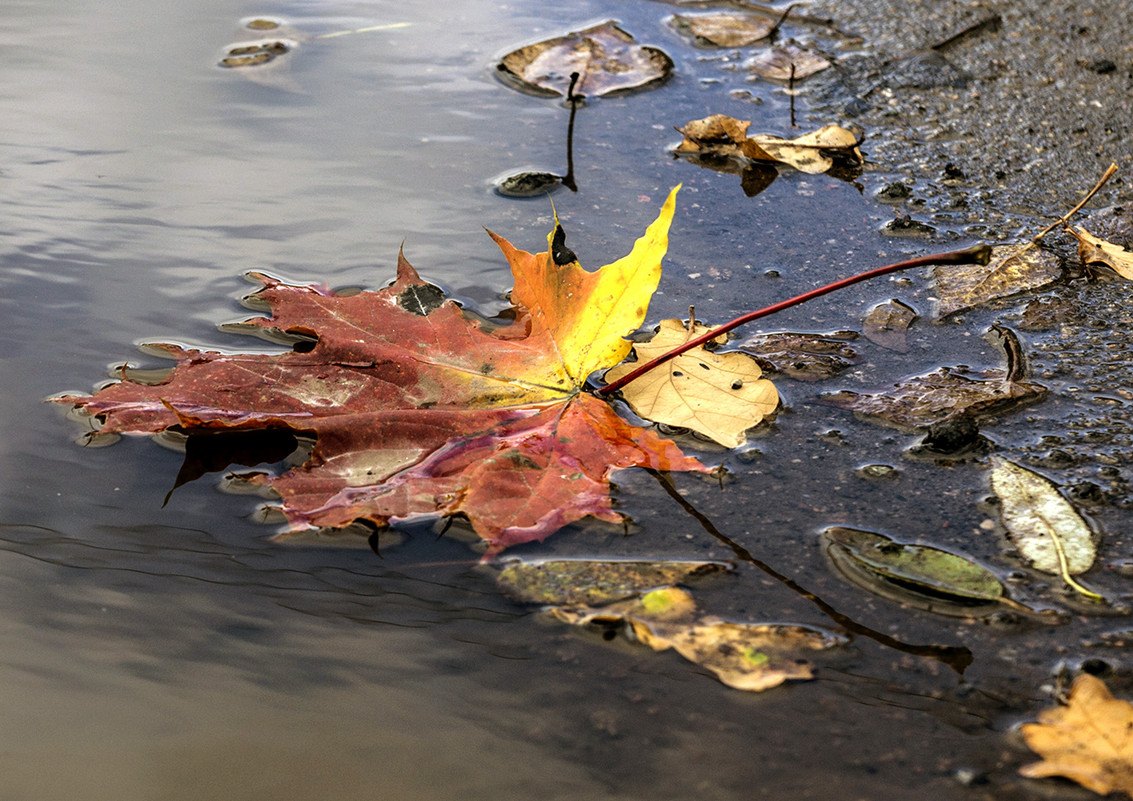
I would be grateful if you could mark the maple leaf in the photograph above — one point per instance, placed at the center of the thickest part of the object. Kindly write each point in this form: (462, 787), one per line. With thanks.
(1090, 740)
(420, 411)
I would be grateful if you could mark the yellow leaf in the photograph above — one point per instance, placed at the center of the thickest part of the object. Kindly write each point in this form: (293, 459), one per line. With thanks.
(1097, 251)
(587, 315)
(720, 395)
(1090, 740)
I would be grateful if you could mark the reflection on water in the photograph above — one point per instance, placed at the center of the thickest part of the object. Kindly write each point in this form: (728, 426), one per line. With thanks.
(175, 651)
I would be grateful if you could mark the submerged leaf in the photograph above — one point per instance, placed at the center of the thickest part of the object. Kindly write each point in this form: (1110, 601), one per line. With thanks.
(719, 395)
(786, 62)
(606, 58)
(1044, 526)
(908, 567)
(573, 582)
(1089, 740)
(887, 324)
(806, 357)
(1012, 269)
(724, 29)
(747, 656)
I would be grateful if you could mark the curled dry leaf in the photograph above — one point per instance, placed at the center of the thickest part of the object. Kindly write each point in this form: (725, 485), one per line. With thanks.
(786, 62)
(747, 656)
(606, 58)
(719, 395)
(1097, 251)
(724, 29)
(1012, 269)
(1045, 527)
(575, 582)
(723, 137)
(1089, 740)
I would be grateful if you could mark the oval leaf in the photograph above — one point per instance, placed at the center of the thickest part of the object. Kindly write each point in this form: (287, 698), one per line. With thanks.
(591, 582)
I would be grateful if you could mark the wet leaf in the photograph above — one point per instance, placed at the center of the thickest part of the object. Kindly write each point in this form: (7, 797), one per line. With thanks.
(606, 58)
(776, 63)
(724, 29)
(574, 582)
(1089, 740)
(917, 568)
(719, 395)
(723, 137)
(420, 410)
(887, 324)
(805, 357)
(1097, 251)
(747, 656)
(1045, 527)
(1012, 269)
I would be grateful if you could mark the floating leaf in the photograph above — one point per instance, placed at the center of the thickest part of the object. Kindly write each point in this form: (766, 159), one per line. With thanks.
(606, 58)
(724, 29)
(1012, 269)
(777, 62)
(572, 582)
(747, 656)
(719, 395)
(1044, 526)
(723, 137)
(1089, 740)
(1097, 251)
(806, 357)
(887, 324)
(910, 568)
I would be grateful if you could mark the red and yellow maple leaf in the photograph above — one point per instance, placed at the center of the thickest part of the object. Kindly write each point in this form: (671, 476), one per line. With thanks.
(418, 410)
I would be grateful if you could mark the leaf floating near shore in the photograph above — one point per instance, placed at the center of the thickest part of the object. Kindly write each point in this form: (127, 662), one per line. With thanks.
(724, 29)
(1012, 269)
(887, 324)
(1045, 527)
(606, 58)
(788, 62)
(722, 137)
(1097, 251)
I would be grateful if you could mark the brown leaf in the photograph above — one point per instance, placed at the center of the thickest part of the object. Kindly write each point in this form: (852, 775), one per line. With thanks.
(887, 324)
(776, 63)
(1012, 269)
(1089, 740)
(1097, 251)
(805, 357)
(724, 29)
(722, 137)
(606, 58)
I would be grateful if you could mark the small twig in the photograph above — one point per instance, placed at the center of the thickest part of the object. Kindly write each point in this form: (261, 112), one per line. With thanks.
(978, 254)
(572, 98)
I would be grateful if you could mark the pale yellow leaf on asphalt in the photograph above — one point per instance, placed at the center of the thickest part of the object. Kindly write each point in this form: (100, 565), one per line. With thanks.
(1097, 251)
(1089, 740)
(719, 395)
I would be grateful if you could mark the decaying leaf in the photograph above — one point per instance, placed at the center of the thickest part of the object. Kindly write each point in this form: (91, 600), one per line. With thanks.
(1012, 269)
(786, 62)
(719, 395)
(806, 357)
(1097, 251)
(417, 409)
(587, 582)
(887, 324)
(724, 29)
(918, 574)
(606, 58)
(723, 137)
(1045, 527)
(747, 656)
(1089, 740)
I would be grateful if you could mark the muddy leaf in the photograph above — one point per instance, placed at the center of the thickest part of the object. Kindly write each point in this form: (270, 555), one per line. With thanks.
(1097, 251)
(606, 58)
(1045, 527)
(574, 582)
(724, 29)
(775, 64)
(915, 568)
(725, 138)
(1089, 740)
(1012, 269)
(719, 395)
(419, 410)
(805, 357)
(747, 656)
(887, 324)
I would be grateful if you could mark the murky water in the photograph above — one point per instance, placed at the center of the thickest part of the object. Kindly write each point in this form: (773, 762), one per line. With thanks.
(166, 648)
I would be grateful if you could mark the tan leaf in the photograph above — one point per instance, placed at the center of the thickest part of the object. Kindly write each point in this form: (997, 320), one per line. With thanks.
(1012, 269)
(807, 153)
(1090, 740)
(1097, 251)
(775, 64)
(718, 134)
(720, 395)
(724, 29)
(594, 582)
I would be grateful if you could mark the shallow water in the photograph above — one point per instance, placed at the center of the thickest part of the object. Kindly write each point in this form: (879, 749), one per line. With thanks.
(172, 650)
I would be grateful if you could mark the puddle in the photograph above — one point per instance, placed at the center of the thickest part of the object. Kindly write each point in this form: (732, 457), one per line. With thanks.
(166, 646)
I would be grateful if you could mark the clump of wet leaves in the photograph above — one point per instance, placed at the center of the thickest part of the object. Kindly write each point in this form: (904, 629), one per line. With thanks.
(719, 138)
